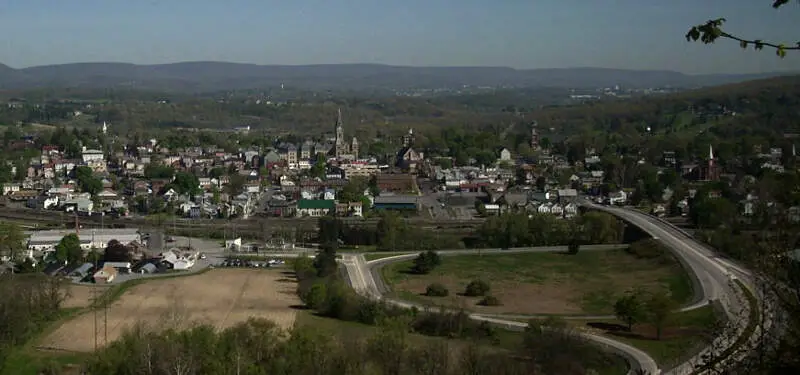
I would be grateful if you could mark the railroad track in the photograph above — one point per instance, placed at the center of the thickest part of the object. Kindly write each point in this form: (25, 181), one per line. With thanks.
(252, 225)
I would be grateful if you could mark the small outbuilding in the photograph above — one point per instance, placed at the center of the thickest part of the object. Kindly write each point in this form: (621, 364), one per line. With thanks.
(82, 271)
(148, 268)
(105, 275)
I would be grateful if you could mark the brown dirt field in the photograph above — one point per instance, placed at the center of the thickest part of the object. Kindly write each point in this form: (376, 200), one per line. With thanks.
(81, 295)
(221, 297)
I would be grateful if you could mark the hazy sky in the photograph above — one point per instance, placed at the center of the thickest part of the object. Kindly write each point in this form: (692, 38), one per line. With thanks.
(638, 34)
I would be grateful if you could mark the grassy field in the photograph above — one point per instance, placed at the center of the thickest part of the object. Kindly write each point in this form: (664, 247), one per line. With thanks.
(587, 283)
(686, 333)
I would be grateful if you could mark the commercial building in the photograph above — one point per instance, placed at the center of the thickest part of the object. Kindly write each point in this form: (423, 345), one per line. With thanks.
(47, 240)
(397, 202)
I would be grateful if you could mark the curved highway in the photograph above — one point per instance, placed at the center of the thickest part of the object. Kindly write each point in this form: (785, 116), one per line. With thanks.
(714, 277)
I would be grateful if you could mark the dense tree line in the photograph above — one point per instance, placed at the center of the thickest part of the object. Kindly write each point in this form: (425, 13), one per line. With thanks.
(520, 229)
(259, 347)
(29, 302)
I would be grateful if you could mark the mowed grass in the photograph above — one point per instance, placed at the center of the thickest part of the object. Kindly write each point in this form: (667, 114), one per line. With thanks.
(587, 283)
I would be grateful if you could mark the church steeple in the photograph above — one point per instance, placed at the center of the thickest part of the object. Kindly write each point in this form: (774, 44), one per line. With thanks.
(710, 152)
(340, 146)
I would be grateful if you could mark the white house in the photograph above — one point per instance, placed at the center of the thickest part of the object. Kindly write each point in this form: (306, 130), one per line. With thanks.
(50, 202)
(179, 260)
(505, 155)
(492, 209)
(545, 208)
(618, 198)
(11, 188)
(90, 156)
(557, 210)
(748, 208)
(570, 210)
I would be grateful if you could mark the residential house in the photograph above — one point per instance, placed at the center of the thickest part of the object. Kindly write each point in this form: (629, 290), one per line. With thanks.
(281, 208)
(567, 195)
(557, 210)
(491, 209)
(84, 205)
(179, 260)
(541, 196)
(408, 158)
(618, 198)
(349, 209)
(545, 208)
(570, 210)
(9, 188)
(306, 150)
(505, 154)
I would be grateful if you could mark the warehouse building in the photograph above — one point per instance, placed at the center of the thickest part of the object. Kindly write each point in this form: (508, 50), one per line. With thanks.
(396, 203)
(47, 240)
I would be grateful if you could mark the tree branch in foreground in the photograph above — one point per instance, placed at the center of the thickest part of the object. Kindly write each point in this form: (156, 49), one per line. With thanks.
(710, 31)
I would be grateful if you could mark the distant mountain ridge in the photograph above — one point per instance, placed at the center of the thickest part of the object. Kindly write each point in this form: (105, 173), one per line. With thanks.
(208, 76)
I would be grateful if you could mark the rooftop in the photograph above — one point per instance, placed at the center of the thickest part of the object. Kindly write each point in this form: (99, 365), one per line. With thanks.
(122, 235)
(311, 204)
(397, 199)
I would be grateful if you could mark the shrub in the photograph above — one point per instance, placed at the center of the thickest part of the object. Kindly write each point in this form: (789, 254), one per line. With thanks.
(314, 296)
(425, 262)
(436, 290)
(477, 288)
(573, 247)
(490, 301)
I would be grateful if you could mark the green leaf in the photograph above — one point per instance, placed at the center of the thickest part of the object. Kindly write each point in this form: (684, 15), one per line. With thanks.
(778, 3)
(743, 44)
(693, 34)
(781, 52)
